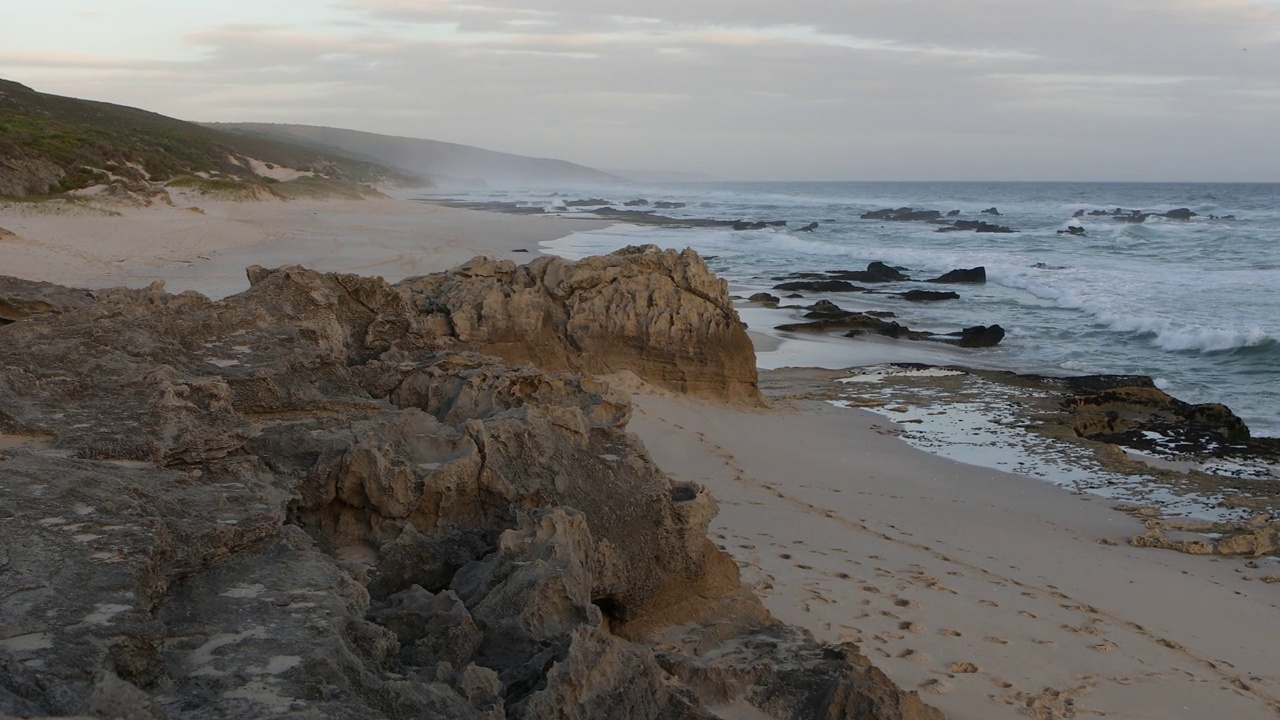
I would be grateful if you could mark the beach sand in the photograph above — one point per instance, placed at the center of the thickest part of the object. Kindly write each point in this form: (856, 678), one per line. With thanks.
(997, 596)
(205, 245)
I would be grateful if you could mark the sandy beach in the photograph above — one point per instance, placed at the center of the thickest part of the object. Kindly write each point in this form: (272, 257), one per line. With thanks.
(994, 595)
(205, 244)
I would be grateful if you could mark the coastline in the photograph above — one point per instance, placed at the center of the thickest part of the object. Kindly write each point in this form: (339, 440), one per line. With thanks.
(994, 595)
(205, 244)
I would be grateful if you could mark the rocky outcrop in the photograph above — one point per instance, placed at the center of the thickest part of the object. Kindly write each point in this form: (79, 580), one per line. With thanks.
(23, 298)
(312, 500)
(819, 286)
(1255, 537)
(970, 275)
(660, 314)
(929, 295)
(764, 298)
(975, 226)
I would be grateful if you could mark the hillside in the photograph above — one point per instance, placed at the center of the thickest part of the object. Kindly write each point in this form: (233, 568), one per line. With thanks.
(50, 144)
(441, 161)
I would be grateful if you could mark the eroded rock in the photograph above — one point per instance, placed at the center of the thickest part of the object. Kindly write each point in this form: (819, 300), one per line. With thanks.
(314, 500)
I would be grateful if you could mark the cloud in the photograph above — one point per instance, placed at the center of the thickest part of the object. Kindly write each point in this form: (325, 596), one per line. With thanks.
(806, 88)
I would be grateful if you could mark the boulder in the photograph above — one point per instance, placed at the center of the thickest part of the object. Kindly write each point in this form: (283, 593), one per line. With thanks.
(1181, 214)
(667, 205)
(1075, 230)
(975, 226)
(990, 211)
(811, 227)
(980, 336)
(590, 202)
(763, 297)
(637, 203)
(953, 213)
(971, 275)
(1077, 214)
(876, 272)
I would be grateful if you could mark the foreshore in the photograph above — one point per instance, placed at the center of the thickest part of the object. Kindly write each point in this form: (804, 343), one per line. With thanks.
(994, 595)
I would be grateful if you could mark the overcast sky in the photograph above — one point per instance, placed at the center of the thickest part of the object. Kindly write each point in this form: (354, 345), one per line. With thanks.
(744, 89)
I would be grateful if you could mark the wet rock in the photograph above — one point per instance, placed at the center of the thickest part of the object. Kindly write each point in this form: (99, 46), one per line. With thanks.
(1181, 214)
(637, 203)
(903, 214)
(1075, 230)
(970, 275)
(827, 309)
(667, 205)
(953, 213)
(818, 286)
(590, 202)
(929, 295)
(1133, 217)
(1077, 214)
(811, 227)
(990, 211)
(975, 226)
(876, 272)
(764, 298)
(980, 336)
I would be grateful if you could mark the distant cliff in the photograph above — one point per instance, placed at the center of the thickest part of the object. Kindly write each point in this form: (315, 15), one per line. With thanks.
(442, 161)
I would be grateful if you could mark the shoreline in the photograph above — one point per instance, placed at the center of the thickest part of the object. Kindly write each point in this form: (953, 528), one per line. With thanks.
(205, 244)
(992, 594)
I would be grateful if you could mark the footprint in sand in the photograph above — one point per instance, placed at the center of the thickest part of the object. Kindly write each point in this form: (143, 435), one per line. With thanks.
(871, 589)
(996, 640)
(949, 632)
(1103, 647)
(989, 603)
(901, 602)
(963, 668)
(935, 686)
(914, 656)
(1026, 614)
(911, 627)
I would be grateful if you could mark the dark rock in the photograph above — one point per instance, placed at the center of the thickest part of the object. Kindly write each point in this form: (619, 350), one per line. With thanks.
(795, 296)
(637, 203)
(876, 272)
(953, 213)
(990, 211)
(980, 336)
(975, 226)
(1098, 213)
(1078, 213)
(971, 275)
(1181, 214)
(808, 228)
(818, 286)
(520, 250)
(825, 309)
(764, 298)
(592, 202)
(666, 205)
(1076, 230)
(904, 214)
(929, 295)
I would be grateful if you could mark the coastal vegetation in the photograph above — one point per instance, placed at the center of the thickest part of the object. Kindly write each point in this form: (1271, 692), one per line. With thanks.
(52, 144)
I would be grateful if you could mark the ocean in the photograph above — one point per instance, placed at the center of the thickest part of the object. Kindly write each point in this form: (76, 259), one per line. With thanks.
(1194, 303)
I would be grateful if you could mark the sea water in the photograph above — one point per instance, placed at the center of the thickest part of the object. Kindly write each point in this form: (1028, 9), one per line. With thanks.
(1194, 304)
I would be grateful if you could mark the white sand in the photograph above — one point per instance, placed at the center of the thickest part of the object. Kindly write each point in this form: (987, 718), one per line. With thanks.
(207, 250)
(990, 593)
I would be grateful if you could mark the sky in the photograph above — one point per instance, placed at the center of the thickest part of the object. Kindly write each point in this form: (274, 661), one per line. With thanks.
(1147, 90)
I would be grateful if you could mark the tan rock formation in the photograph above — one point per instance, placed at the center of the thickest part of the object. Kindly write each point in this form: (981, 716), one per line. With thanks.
(296, 503)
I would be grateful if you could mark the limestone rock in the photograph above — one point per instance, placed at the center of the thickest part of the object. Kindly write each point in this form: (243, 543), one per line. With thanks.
(311, 500)
(23, 298)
